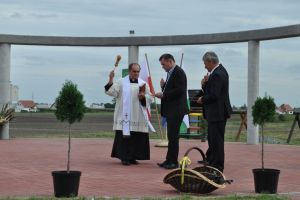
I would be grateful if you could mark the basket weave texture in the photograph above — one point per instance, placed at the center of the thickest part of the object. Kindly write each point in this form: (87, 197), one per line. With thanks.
(201, 180)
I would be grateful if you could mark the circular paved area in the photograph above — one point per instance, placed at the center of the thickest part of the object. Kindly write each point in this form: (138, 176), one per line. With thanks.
(26, 166)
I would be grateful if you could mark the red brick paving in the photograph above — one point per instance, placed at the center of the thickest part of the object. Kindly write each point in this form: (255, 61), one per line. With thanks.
(26, 166)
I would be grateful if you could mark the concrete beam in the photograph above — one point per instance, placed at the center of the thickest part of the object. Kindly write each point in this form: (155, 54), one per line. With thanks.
(4, 84)
(216, 38)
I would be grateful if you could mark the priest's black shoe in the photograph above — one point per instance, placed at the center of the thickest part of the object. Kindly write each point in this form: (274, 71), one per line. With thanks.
(162, 164)
(171, 166)
(134, 162)
(125, 162)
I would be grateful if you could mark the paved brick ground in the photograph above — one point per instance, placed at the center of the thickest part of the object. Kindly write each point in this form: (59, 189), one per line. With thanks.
(26, 166)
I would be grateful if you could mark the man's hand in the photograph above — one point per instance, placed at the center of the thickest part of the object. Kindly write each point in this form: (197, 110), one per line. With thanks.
(159, 95)
(205, 79)
(141, 95)
(162, 82)
(200, 100)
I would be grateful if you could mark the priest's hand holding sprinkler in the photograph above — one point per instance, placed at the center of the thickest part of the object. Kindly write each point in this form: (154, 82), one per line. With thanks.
(118, 58)
(112, 73)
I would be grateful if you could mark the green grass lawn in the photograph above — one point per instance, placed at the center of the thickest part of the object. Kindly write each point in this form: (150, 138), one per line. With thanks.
(52, 113)
(103, 134)
(275, 132)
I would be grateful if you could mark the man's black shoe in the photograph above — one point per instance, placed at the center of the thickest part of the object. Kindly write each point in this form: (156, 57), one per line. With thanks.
(171, 166)
(125, 162)
(134, 162)
(203, 162)
(162, 164)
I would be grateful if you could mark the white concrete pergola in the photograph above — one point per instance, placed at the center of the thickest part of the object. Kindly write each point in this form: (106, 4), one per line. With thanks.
(253, 37)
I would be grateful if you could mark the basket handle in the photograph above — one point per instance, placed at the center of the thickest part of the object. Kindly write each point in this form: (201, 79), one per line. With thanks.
(198, 149)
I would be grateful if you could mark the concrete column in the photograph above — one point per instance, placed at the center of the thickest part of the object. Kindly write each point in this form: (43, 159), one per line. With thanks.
(133, 54)
(4, 84)
(133, 51)
(253, 89)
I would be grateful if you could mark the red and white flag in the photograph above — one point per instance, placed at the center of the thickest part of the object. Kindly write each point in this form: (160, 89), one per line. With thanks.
(145, 75)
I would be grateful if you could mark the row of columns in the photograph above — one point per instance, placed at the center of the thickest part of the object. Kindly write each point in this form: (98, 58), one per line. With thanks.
(133, 55)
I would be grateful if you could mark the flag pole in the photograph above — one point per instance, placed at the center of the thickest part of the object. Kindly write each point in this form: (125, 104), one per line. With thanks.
(156, 108)
(181, 60)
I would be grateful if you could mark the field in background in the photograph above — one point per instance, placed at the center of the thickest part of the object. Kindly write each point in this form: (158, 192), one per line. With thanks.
(32, 125)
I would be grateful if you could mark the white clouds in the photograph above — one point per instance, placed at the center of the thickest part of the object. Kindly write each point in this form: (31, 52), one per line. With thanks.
(37, 16)
(263, 21)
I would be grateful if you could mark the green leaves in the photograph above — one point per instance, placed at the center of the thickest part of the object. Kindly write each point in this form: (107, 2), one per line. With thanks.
(70, 104)
(263, 110)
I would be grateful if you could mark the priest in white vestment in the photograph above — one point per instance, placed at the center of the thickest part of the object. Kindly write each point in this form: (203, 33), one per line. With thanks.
(131, 122)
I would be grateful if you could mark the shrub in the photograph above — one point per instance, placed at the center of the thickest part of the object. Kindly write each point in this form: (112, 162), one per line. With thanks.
(263, 111)
(69, 107)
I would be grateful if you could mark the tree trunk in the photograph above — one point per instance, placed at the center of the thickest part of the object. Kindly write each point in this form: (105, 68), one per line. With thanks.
(69, 149)
(262, 146)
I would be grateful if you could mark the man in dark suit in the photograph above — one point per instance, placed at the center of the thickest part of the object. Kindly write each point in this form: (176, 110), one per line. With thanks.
(173, 106)
(216, 108)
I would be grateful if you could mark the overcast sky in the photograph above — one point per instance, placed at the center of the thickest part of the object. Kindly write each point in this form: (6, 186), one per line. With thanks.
(40, 71)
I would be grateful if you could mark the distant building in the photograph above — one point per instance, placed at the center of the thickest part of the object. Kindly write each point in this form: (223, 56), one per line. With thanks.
(42, 106)
(285, 109)
(26, 105)
(14, 93)
(97, 105)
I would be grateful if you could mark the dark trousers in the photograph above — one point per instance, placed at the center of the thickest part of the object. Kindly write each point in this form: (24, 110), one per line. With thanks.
(173, 126)
(215, 137)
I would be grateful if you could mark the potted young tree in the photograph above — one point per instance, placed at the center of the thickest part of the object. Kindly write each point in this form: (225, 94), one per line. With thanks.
(69, 107)
(265, 179)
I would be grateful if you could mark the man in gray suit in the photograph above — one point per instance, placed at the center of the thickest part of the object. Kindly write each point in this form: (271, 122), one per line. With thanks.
(216, 108)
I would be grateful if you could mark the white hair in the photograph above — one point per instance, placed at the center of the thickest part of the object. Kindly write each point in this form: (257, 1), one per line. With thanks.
(211, 57)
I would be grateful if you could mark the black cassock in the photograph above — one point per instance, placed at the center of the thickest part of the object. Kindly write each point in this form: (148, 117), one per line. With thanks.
(133, 147)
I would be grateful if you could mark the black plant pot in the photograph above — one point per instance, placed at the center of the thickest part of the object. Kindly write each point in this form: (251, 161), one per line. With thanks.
(66, 184)
(266, 180)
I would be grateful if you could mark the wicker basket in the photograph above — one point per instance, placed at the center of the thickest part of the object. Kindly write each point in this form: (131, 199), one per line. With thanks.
(202, 180)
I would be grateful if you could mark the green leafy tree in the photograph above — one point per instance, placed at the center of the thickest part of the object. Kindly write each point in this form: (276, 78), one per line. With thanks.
(263, 111)
(281, 117)
(113, 101)
(69, 107)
